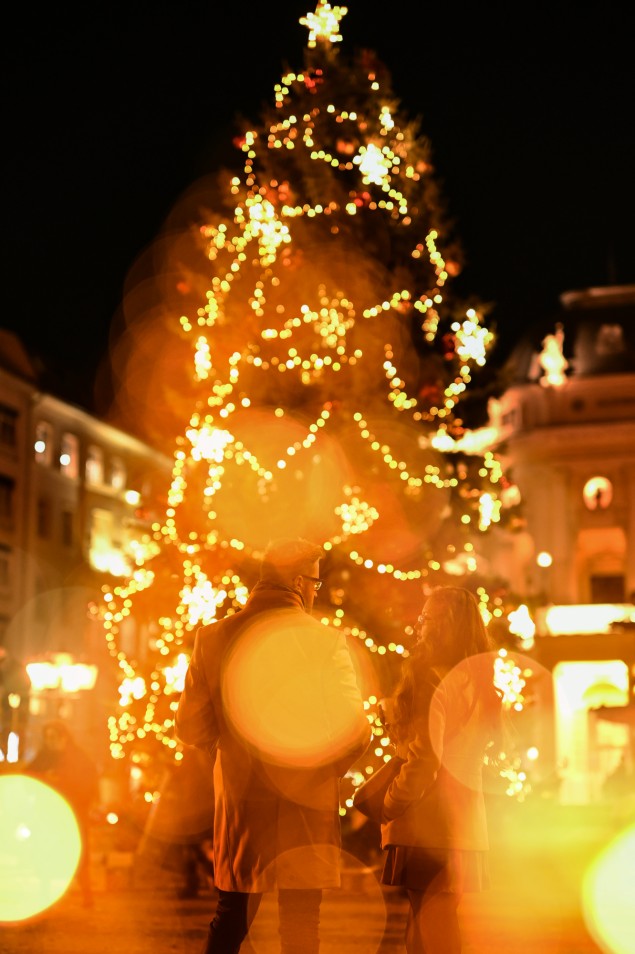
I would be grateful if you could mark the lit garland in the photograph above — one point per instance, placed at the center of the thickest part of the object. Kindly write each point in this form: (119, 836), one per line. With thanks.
(321, 339)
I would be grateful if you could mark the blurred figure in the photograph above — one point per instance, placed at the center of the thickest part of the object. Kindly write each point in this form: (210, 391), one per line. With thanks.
(444, 714)
(62, 764)
(15, 696)
(273, 693)
(181, 821)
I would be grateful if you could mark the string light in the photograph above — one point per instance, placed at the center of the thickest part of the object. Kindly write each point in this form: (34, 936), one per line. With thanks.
(261, 317)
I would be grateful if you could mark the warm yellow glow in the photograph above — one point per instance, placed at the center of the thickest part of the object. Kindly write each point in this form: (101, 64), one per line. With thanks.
(324, 23)
(61, 672)
(307, 396)
(510, 679)
(357, 516)
(583, 618)
(520, 623)
(552, 359)
(40, 847)
(272, 700)
(607, 894)
(598, 493)
(579, 688)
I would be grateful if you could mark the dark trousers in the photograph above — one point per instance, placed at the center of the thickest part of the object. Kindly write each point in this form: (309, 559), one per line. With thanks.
(298, 914)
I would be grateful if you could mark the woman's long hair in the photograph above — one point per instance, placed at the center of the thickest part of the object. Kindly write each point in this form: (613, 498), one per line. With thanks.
(459, 634)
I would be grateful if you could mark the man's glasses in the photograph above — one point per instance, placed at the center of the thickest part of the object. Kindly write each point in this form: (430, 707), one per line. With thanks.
(317, 583)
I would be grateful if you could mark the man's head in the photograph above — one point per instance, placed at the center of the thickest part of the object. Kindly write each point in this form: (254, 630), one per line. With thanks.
(294, 563)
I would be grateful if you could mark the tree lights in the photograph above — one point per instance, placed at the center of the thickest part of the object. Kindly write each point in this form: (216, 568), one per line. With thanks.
(325, 355)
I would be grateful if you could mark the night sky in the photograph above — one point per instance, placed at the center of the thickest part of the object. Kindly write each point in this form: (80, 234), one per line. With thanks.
(114, 110)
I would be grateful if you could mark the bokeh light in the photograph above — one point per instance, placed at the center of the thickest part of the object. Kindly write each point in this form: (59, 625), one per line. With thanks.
(274, 684)
(608, 897)
(521, 680)
(41, 846)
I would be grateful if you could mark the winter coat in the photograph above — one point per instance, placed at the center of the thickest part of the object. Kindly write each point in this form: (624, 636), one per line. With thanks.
(436, 801)
(275, 693)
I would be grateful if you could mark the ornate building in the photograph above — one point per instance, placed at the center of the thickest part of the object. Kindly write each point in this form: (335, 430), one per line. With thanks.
(565, 427)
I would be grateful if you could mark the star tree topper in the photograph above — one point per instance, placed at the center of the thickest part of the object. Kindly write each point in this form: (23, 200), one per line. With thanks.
(324, 23)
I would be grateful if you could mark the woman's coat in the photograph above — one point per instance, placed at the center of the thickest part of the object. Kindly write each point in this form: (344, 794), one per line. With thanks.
(437, 801)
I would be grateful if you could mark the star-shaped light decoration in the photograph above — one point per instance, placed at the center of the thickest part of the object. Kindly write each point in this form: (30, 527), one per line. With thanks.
(324, 24)
(357, 515)
(374, 164)
(473, 339)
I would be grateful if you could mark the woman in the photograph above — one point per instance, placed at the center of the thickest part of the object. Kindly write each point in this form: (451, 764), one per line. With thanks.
(443, 715)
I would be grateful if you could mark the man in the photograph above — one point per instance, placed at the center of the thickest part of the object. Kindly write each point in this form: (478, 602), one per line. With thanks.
(274, 693)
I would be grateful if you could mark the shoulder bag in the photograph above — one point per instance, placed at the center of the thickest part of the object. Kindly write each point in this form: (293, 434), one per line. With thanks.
(369, 796)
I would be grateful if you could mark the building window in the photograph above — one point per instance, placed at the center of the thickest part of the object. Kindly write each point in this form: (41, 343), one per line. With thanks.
(117, 474)
(43, 518)
(105, 553)
(610, 340)
(69, 456)
(94, 465)
(8, 419)
(598, 493)
(44, 443)
(67, 528)
(7, 491)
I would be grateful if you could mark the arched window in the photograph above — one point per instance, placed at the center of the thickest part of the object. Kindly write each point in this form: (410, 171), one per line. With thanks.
(94, 465)
(43, 445)
(69, 456)
(117, 474)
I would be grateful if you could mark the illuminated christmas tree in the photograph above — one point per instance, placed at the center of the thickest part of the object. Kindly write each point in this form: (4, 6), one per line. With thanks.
(327, 362)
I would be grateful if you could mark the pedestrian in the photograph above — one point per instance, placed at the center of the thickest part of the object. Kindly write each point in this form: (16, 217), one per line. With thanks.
(66, 767)
(15, 696)
(273, 692)
(444, 714)
(179, 824)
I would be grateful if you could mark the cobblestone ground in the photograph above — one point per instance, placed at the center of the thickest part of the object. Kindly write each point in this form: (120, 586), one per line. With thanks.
(538, 862)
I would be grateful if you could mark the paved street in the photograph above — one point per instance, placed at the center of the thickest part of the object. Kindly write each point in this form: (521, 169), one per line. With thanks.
(538, 859)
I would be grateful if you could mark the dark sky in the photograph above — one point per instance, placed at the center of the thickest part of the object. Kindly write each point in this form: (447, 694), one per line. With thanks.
(113, 110)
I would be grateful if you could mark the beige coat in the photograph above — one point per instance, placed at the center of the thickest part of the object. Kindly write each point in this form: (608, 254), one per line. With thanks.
(275, 693)
(436, 801)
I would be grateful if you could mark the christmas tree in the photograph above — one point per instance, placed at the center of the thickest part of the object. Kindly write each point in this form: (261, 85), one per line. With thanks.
(328, 366)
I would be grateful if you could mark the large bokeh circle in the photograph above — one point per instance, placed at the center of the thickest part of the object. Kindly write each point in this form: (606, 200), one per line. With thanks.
(40, 847)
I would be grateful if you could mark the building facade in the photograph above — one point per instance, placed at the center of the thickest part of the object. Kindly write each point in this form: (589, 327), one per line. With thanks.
(78, 499)
(565, 430)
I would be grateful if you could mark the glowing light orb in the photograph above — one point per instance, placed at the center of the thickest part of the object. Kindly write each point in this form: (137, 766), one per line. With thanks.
(507, 773)
(607, 895)
(40, 849)
(275, 684)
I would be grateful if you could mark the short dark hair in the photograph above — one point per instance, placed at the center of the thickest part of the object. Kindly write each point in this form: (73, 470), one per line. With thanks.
(288, 557)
